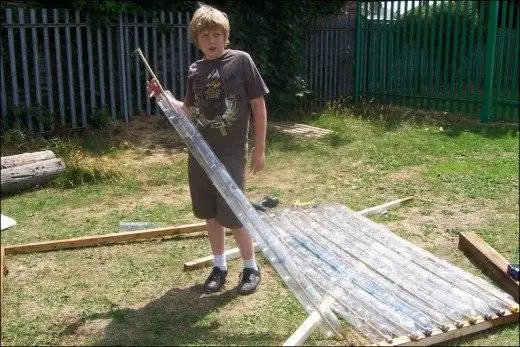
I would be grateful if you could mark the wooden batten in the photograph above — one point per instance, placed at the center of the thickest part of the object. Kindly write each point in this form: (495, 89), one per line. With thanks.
(492, 262)
(97, 240)
(439, 337)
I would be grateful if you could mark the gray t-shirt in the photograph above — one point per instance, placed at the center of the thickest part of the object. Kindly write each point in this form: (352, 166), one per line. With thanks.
(217, 97)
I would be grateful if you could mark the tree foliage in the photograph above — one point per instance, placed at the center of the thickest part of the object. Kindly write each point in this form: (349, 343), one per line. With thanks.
(438, 17)
(274, 32)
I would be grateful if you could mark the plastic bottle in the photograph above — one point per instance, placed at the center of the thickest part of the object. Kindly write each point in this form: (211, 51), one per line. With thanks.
(132, 226)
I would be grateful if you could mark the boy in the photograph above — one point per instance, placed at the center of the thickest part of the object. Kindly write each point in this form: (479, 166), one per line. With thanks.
(223, 90)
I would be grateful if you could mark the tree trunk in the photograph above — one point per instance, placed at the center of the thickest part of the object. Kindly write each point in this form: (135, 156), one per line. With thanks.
(25, 158)
(29, 175)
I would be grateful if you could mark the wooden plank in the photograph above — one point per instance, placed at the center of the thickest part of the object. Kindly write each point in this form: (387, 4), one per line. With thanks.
(304, 330)
(492, 262)
(384, 207)
(453, 333)
(12, 59)
(97, 240)
(207, 261)
(147, 74)
(313, 321)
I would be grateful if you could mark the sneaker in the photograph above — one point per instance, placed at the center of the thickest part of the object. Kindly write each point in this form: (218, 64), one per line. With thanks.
(249, 281)
(215, 280)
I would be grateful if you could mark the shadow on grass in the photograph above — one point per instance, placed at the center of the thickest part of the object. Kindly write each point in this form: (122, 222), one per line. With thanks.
(179, 317)
(390, 117)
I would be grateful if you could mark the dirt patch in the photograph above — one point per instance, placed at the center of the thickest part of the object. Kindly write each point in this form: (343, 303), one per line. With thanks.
(408, 174)
(145, 132)
(441, 220)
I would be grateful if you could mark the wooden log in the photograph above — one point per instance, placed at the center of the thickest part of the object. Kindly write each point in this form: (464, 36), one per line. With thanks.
(17, 178)
(492, 262)
(26, 158)
(97, 240)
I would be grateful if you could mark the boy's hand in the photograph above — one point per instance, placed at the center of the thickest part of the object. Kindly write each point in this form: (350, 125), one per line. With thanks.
(153, 88)
(257, 160)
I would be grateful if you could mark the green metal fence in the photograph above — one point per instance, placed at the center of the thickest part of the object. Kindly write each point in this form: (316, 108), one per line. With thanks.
(459, 56)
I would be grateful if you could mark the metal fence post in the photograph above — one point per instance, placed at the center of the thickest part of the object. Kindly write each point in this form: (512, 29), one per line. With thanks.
(357, 81)
(485, 113)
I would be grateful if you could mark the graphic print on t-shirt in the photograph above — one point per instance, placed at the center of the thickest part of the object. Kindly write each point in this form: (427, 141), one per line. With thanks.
(209, 104)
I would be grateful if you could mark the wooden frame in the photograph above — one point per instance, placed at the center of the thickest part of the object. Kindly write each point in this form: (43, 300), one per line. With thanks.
(302, 333)
(438, 336)
(492, 262)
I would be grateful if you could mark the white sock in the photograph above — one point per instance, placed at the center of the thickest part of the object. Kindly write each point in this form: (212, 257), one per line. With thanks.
(251, 263)
(220, 261)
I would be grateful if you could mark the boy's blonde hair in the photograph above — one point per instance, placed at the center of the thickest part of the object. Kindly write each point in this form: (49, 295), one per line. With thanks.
(208, 18)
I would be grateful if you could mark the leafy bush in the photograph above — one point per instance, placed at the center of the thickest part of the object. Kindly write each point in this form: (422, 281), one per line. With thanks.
(430, 17)
(273, 32)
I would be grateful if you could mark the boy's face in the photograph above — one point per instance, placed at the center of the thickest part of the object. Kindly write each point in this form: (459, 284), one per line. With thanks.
(212, 43)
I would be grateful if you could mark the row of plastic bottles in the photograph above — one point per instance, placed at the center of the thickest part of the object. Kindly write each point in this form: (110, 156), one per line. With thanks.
(496, 299)
(328, 242)
(431, 262)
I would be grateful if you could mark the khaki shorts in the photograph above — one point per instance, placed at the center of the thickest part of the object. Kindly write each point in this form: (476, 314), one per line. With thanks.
(206, 200)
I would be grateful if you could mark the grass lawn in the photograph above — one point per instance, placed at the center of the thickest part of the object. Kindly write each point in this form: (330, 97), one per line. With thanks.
(463, 176)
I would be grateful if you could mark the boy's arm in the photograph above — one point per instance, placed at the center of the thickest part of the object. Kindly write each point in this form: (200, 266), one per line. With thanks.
(260, 123)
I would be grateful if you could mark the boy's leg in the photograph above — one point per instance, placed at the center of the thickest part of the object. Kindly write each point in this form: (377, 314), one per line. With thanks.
(245, 244)
(250, 277)
(217, 277)
(216, 236)
(203, 200)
